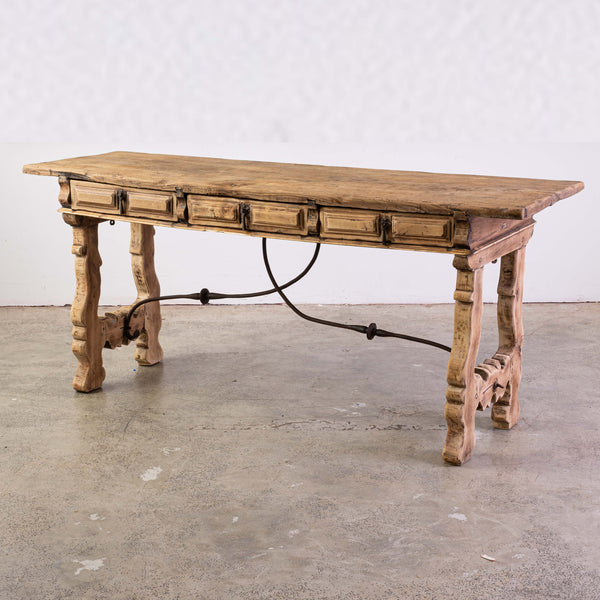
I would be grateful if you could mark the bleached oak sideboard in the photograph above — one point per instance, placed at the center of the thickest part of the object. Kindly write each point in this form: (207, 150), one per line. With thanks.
(475, 218)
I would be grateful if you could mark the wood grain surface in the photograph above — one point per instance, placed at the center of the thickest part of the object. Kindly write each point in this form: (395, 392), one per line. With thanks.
(407, 191)
(88, 337)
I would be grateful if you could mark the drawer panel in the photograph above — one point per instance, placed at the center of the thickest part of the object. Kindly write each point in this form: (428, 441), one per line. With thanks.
(157, 205)
(112, 200)
(277, 218)
(350, 224)
(229, 213)
(402, 228)
(94, 196)
(412, 229)
(213, 210)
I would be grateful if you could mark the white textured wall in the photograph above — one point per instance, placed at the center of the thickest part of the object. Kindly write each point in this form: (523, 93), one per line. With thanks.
(493, 87)
(301, 71)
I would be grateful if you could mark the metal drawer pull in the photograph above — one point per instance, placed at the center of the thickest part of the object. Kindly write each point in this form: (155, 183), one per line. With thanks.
(121, 201)
(386, 224)
(245, 212)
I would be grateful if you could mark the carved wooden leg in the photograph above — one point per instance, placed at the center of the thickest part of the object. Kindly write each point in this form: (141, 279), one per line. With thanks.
(87, 333)
(505, 411)
(461, 395)
(148, 350)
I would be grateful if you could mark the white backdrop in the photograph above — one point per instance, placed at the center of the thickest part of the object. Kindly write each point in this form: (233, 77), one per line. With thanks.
(490, 87)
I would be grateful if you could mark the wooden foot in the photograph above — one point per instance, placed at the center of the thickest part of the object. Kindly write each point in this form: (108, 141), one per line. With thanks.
(505, 411)
(88, 337)
(461, 395)
(148, 350)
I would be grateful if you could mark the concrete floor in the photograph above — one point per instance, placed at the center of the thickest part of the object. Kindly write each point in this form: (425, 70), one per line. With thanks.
(271, 458)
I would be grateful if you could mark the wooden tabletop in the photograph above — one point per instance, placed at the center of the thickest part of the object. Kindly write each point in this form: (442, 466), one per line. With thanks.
(406, 191)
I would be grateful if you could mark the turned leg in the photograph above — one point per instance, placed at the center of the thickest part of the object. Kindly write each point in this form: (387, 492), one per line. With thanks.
(505, 411)
(148, 350)
(461, 395)
(87, 333)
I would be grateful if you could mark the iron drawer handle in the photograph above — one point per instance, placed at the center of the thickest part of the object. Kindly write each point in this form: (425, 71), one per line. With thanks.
(245, 212)
(121, 200)
(386, 224)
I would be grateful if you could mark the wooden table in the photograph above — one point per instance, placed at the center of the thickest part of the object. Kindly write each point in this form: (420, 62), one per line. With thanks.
(477, 219)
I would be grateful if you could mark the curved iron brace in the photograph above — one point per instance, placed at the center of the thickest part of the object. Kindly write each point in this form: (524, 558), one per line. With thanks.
(204, 296)
(370, 331)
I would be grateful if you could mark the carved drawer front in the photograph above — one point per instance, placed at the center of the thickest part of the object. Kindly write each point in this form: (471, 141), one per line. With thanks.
(386, 227)
(249, 215)
(277, 218)
(215, 211)
(94, 196)
(112, 200)
(151, 204)
(346, 223)
(421, 230)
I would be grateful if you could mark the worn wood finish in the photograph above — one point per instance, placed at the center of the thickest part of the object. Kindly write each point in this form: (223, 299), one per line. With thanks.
(493, 376)
(461, 394)
(424, 244)
(402, 228)
(88, 337)
(277, 218)
(64, 195)
(497, 249)
(112, 200)
(141, 203)
(94, 196)
(91, 332)
(495, 381)
(213, 211)
(112, 324)
(148, 349)
(483, 231)
(345, 223)
(376, 189)
(505, 412)
(426, 229)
